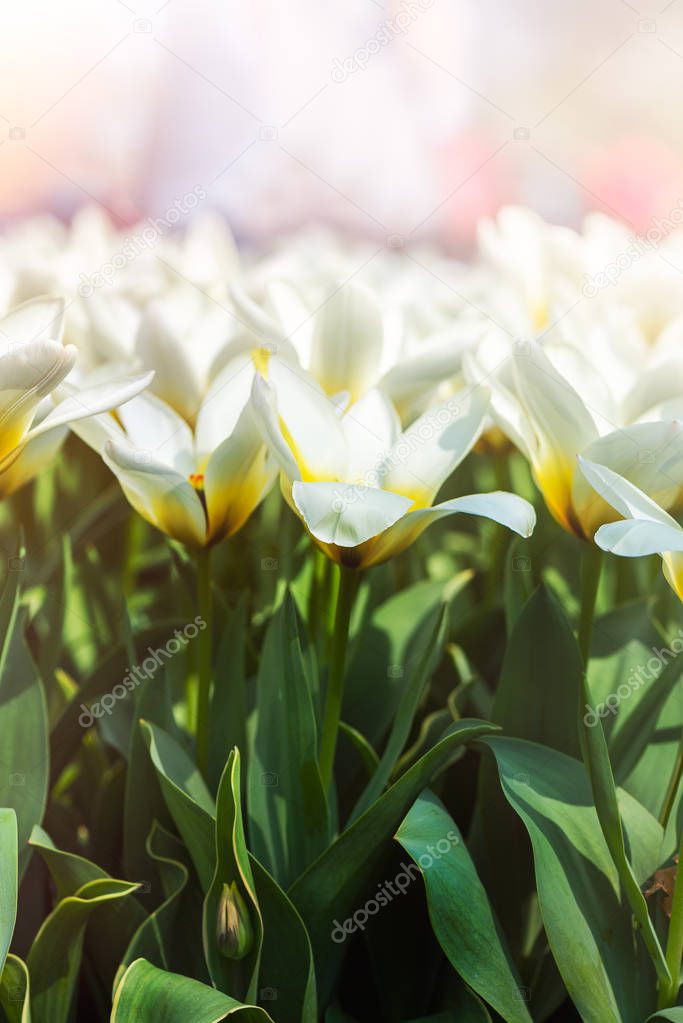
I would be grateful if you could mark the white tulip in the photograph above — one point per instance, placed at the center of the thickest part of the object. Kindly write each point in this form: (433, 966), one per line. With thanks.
(34, 409)
(646, 528)
(347, 347)
(363, 488)
(196, 485)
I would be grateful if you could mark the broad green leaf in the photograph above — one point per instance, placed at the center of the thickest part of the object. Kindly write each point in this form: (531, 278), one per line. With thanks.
(633, 732)
(536, 699)
(55, 956)
(187, 798)
(15, 990)
(143, 799)
(67, 734)
(335, 885)
(288, 822)
(286, 955)
(68, 870)
(632, 673)
(374, 679)
(671, 1015)
(538, 690)
(23, 722)
(227, 723)
(459, 909)
(622, 642)
(147, 994)
(167, 937)
(587, 920)
(232, 867)
(8, 879)
(422, 660)
(517, 583)
(112, 926)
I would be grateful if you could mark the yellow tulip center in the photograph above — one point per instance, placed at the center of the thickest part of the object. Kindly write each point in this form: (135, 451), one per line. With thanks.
(261, 358)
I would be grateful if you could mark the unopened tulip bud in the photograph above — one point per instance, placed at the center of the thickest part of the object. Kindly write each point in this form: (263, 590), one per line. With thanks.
(234, 933)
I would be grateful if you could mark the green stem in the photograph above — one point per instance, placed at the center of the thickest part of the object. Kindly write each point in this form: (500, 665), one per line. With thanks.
(335, 683)
(591, 567)
(204, 641)
(674, 942)
(672, 789)
(134, 542)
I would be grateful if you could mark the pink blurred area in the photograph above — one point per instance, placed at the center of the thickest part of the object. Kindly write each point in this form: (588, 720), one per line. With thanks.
(414, 117)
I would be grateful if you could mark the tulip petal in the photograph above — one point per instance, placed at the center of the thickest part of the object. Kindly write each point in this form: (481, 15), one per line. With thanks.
(309, 423)
(268, 422)
(28, 373)
(425, 454)
(152, 425)
(224, 403)
(265, 327)
(505, 408)
(237, 477)
(648, 455)
(622, 495)
(507, 509)
(113, 323)
(634, 538)
(162, 349)
(34, 456)
(347, 515)
(39, 319)
(562, 423)
(371, 427)
(160, 494)
(347, 341)
(415, 377)
(91, 401)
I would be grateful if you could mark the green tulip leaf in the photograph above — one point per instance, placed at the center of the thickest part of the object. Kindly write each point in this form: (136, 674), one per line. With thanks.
(227, 721)
(165, 937)
(461, 916)
(187, 798)
(587, 920)
(288, 819)
(55, 957)
(286, 955)
(15, 990)
(8, 879)
(422, 660)
(23, 722)
(147, 994)
(336, 884)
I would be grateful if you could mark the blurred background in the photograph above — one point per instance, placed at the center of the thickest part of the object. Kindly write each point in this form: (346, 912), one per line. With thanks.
(408, 119)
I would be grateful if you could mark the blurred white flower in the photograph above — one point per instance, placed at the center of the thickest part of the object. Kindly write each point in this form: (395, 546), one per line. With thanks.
(34, 410)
